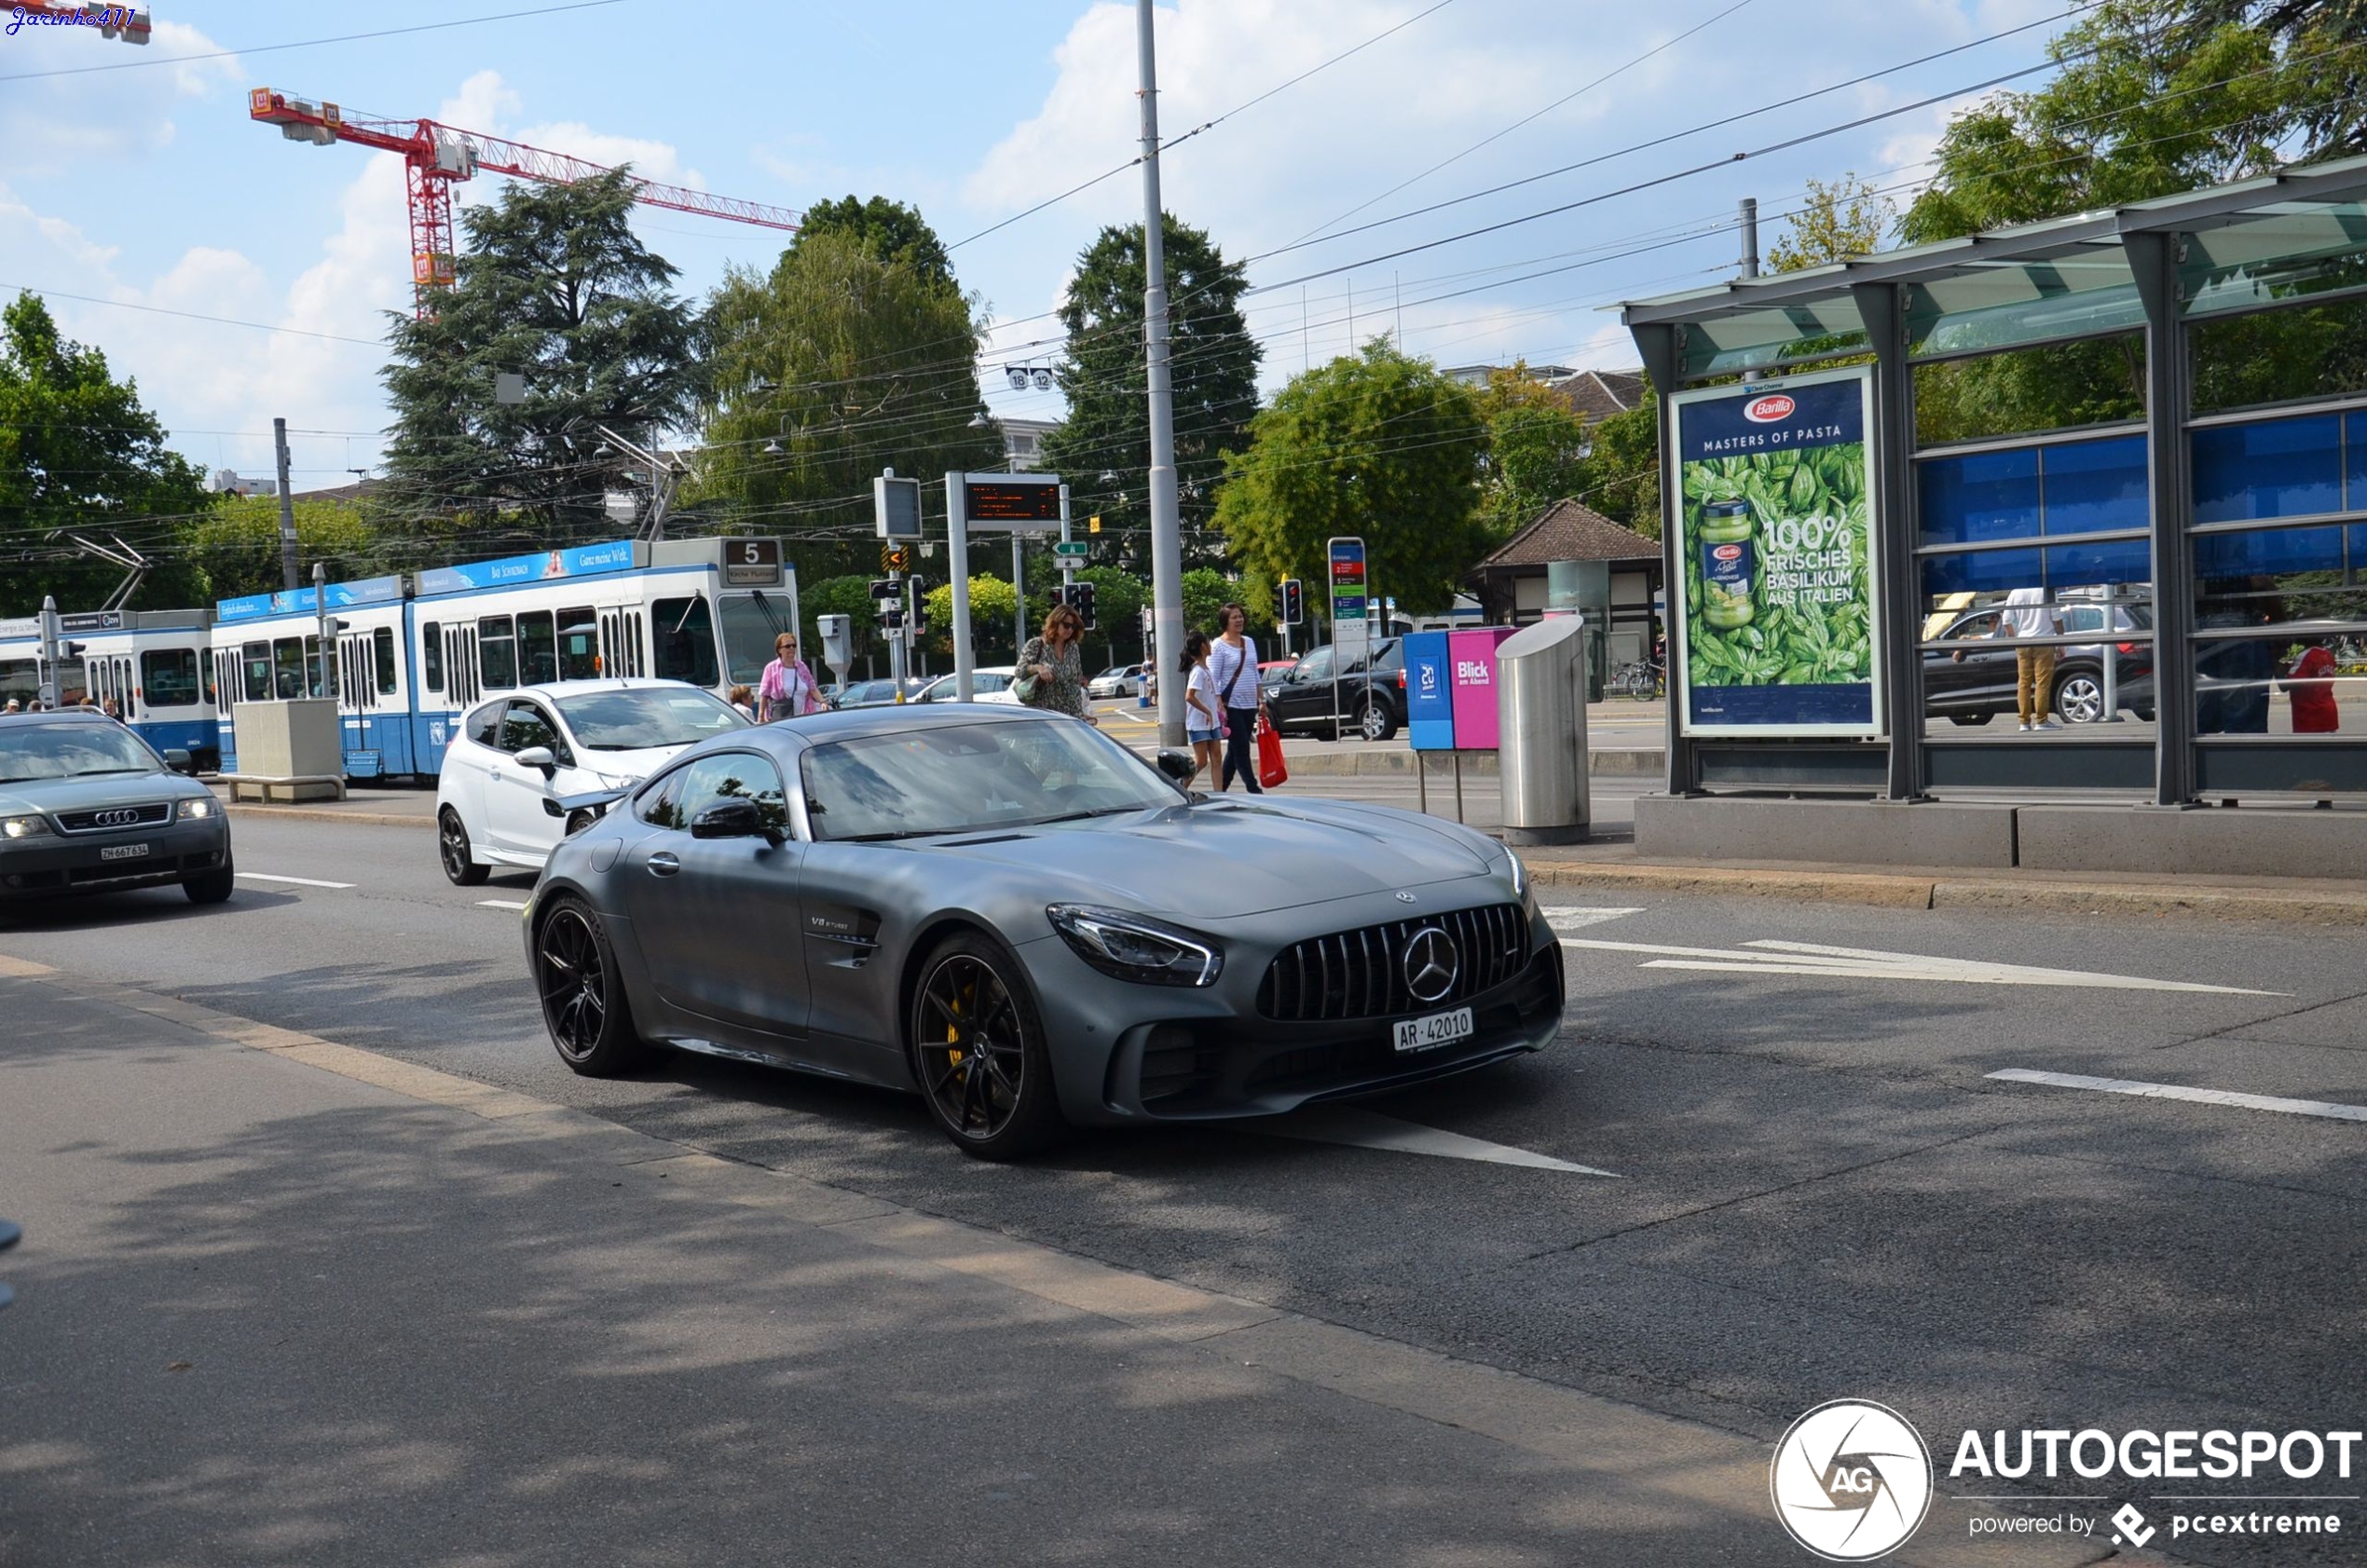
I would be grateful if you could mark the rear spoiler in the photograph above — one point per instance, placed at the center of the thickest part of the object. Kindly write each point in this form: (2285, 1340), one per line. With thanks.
(581, 812)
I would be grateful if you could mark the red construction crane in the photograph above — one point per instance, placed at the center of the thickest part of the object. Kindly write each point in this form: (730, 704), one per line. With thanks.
(434, 155)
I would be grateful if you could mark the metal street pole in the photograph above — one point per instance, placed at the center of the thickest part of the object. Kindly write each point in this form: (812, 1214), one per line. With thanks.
(1167, 546)
(1018, 595)
(957, 571)
(1746, 219)
(328, 636)
(47, 693)
(287, 508)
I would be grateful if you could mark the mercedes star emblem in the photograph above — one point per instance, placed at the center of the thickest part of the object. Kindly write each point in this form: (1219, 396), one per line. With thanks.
(1405, 898)
(1431, 964)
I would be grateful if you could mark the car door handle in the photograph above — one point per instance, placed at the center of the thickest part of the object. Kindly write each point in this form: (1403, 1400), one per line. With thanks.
(663, 864)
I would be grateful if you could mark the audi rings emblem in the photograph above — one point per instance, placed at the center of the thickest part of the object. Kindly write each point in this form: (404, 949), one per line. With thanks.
(120, 816)
(1432, 963)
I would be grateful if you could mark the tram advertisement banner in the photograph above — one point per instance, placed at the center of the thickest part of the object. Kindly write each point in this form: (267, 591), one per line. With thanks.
(1776, 623)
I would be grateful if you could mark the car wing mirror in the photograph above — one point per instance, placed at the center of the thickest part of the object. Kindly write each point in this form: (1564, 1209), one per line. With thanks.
(540, 757)
(734, 818)
(1177, 765)
(178, 760)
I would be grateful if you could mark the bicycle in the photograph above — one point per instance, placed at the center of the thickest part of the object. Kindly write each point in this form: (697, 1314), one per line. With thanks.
(1639, 678)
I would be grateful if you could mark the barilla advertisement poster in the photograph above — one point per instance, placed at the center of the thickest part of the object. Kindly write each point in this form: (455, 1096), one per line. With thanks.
(1776, 631)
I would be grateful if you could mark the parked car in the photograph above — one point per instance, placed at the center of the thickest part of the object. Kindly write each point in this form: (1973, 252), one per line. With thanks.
(86, 806)
(1118, 680)
(987, 684)
(1971, 681)
(1371, 693)
(874, 693)
(542, 744)
(976, 892)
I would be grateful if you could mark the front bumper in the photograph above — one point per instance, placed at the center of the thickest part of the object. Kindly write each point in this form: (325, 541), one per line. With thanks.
(60, 865)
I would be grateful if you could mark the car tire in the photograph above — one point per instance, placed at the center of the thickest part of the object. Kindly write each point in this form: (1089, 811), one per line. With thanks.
(582, 994)
(1374, 721)
(215, 885)
(2079, 698)
(452, 846)
(992, 1114)
(1970, 718)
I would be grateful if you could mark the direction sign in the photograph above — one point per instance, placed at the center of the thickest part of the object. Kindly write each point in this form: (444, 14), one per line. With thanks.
(1076, 549)
(1347, 579)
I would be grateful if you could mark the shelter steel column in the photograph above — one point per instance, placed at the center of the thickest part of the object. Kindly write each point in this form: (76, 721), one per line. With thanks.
(1658, 348)
(2152, 258)
(1894, 446)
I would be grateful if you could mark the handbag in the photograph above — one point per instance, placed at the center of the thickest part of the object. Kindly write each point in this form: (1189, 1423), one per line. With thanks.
(1271, 770)
(1024, 687)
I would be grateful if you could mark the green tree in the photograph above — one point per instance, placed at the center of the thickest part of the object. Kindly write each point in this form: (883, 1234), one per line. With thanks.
(1536, 448)
(850, 596)
(1103, 447)
(553, 284)
(1205, 591)
(77, 450)
(1845, 218)
(238, 546)
(840, 363)
(991, 605)
(889, 230)
(1622, 475)
(1376, 445)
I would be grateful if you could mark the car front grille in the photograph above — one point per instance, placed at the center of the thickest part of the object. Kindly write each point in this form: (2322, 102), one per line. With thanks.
(115, 819)
(1361, 973)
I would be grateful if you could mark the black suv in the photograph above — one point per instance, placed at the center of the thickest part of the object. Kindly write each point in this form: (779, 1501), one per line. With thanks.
(1972, 680)
(1372, 694)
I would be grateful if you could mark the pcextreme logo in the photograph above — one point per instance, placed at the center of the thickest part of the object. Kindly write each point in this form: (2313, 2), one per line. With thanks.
(1850, 1480)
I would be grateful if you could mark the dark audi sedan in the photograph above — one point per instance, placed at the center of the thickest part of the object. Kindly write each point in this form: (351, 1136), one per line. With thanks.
(87, 807)
(1032, 926)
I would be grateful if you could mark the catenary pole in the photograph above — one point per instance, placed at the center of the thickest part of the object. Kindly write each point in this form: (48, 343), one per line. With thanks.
(287, 508)
(1167, 548)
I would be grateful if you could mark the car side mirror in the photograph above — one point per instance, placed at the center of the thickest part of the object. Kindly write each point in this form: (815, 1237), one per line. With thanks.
(733, 819)
(1177, 765)
(540, 757)
(178, 760)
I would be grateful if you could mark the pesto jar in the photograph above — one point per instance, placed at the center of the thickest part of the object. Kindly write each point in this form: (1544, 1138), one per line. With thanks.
(1729, 563)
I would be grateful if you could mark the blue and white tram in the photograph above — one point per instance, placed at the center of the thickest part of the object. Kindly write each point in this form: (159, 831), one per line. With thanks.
(410, 658)
(152, 665)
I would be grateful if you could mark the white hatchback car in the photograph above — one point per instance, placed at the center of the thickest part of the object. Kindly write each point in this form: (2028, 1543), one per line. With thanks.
(989, 683)
(543, 742)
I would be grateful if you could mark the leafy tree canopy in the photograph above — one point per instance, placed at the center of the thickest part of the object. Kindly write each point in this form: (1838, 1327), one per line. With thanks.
(889, 230)
(1376, 445)
(238, 546)
(1103, 447)
(1536, 448)
(554, 284)
(78, 451)
(1622, 475)
(1845, 218)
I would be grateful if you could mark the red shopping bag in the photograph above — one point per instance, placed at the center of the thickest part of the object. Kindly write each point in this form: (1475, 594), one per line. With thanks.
(1271, 770)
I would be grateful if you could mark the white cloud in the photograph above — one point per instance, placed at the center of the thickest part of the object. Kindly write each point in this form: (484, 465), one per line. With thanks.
(56, 123)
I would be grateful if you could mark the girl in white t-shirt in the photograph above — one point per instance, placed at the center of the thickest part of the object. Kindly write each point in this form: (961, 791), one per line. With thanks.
(1203, 716)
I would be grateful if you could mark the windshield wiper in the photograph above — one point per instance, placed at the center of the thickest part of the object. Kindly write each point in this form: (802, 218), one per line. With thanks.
(1079, 816)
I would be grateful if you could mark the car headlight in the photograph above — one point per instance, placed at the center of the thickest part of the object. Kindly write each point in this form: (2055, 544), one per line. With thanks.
(1521, 889)
(1138, 947)
(24, 828)
(197, 811)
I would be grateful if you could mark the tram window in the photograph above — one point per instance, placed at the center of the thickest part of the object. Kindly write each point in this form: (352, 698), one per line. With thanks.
(431, 656)
(316, 671)
(20, 680)
(633, 644)
(538, 650)
(258, 658)
(684, 637)
(496, 652)
(205, 676)
(579, 644)
(382, 644)
(287, 668)
(751, 622)
(168, 677)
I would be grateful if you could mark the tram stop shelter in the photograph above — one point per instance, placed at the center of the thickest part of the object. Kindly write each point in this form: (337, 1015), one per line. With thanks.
(2119, 458)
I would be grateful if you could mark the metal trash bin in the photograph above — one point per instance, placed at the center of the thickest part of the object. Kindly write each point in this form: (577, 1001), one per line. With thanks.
(1540, 704)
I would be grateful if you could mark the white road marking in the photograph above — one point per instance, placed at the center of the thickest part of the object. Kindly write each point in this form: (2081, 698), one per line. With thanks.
(1366, 1129)
(1567, 918)
(1771, 957)
(501, 903)
(2179, 1091)
(299, 881)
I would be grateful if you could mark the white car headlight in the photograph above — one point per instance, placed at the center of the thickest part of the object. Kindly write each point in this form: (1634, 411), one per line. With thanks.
(1137, 947)
(194, 810)
(24, 828)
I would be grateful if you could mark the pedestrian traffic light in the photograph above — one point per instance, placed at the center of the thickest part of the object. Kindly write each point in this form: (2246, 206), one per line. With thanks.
(1290, 602)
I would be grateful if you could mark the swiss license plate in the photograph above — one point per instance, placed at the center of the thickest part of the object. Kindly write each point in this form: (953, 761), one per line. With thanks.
(1439, 1029)
(122, 852)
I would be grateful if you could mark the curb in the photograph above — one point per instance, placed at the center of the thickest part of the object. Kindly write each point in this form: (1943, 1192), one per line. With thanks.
(1477, 765)
(1841, 887)
(322, 813)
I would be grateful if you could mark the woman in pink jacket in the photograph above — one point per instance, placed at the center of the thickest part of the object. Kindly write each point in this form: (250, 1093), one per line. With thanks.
(788, 688)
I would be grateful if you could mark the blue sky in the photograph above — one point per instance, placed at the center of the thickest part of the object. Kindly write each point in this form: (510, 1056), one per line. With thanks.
(149, 186)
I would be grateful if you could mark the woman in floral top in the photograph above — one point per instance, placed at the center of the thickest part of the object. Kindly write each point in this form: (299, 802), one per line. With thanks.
(1057, 661)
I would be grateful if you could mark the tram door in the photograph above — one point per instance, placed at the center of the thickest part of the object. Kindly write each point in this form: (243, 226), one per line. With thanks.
(107, 680)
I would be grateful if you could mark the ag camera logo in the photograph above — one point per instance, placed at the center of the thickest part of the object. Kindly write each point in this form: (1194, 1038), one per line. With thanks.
(1769, 409)
(1850, 1480)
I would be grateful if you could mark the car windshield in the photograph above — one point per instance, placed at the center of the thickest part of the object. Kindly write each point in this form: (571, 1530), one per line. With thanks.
(649, 716)
(956, 778)
(72, 751)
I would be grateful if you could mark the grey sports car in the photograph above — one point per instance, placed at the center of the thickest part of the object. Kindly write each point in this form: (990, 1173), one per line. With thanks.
(1031, 925)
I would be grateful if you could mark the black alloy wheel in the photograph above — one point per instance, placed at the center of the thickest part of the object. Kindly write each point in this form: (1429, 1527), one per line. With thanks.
(583, 1004)
(977, 1052)
(452, 845)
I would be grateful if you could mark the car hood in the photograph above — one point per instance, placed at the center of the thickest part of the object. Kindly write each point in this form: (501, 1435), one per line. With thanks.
(628, 766)
(95, 792)
(1219, 859)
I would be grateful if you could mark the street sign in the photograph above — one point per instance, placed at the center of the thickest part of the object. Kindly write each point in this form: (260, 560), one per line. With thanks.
(895, 557)
(1016, 502)
(896, 507)
(1093, 524)
(91, 620)
(1073, 549)
(1347, 579)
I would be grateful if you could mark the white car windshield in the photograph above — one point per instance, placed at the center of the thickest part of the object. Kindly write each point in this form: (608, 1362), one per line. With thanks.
(637, 717)
(71, 751)
(954, 778)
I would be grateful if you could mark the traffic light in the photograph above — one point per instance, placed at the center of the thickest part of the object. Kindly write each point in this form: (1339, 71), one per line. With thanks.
(69, 650)
(1078, 596)
(1290, 602)
(920, 586)
(884, 588)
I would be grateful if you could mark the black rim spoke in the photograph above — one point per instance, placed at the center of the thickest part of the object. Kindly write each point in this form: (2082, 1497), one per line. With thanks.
(575, 994)
(978, 1090)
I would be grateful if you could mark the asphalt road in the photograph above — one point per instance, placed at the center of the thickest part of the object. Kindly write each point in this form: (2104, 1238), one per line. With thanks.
(1815, 1188)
